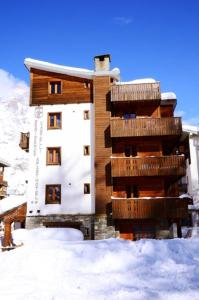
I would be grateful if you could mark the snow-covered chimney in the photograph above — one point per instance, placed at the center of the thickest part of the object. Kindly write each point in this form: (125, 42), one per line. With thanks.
(102, 62)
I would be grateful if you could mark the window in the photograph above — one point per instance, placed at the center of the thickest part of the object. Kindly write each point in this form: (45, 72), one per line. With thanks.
(86, 188)
(55, 87)
(53, 156)
(128, 116)
(54, 120)
(132, 191)
(130, 151)
(86, 115)
(53, 194)
(86, 150)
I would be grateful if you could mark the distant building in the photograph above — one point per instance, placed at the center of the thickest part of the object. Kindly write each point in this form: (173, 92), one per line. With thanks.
(192, 177)
(105, 156)
(3, 183)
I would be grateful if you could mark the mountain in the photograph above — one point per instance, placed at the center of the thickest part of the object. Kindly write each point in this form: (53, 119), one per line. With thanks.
(14, 112)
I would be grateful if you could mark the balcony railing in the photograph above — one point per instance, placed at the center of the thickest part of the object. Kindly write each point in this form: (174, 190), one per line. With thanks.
(145, 127)
(24, 141)
(142, 208)
(148, 166)
(136, 92)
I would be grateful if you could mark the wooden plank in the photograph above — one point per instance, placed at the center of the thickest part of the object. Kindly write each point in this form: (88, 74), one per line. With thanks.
(145, 127)
(74, 89)
(102, 142)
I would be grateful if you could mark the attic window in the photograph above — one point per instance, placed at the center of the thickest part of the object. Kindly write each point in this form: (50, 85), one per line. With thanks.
(87, 85)
(55, 87)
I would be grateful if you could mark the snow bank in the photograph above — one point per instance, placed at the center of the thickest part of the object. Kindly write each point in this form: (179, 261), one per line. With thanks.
(11, 202)
(79, 72)
(14, 119)
(113, 269)
(168, 96)
(44, 234)
(137, 81)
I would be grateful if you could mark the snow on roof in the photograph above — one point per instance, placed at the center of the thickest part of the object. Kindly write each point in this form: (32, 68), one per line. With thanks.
(138, 81)
(78, 72)
(11, 202)
(4, 163)
(190, 128)
(168, 96)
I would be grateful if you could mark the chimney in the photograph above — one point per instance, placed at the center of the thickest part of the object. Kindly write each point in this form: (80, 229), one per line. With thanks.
(102, 62)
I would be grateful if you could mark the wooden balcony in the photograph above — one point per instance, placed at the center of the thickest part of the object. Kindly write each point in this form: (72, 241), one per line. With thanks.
(24, 141)
(136, 92)
(145, 127)
(3, 191)
(142, 208)
(148, 166)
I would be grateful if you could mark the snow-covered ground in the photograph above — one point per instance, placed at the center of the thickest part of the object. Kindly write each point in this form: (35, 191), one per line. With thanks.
(56, 269)
(14, 95)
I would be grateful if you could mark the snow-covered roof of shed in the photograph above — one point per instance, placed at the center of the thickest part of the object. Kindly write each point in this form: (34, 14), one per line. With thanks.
(77, 72)
(11, 202)
(168, 96)
(190, 128)
(4, 163)
(138, 81)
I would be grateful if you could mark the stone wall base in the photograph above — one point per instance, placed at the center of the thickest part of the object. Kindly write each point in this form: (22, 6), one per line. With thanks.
(104, 228)
(85, 222)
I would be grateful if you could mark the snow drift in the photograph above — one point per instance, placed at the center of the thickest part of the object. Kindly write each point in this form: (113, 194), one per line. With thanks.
(111, 269)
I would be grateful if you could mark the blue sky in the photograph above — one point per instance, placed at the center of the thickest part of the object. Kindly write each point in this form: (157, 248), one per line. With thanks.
(158, 39)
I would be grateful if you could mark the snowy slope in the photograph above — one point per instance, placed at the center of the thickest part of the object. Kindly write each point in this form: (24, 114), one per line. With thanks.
(99, 270)
(13, 119)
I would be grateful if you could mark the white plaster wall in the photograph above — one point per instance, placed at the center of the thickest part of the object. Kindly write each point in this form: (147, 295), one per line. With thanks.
(193, 174)
(75, 169)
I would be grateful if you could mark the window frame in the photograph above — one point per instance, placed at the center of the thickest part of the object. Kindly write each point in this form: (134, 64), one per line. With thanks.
(50, 87)
(54, 163)
(55, 121)
(88, 189)
(87, 114)
(47, 201)
(87, 150)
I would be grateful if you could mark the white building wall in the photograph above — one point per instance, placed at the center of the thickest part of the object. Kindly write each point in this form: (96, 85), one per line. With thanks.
(193, 172)
(75, 169)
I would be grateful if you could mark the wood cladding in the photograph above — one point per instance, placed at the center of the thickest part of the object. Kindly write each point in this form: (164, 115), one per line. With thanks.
(150, 208)
(102, 143)
(24, 141)
(73, 89)
(136, 92)
(148, 166)
(145, 127)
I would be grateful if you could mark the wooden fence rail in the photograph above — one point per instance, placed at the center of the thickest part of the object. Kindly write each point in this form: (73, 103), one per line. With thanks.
(173, 165)
(136, 92)
(145, 127)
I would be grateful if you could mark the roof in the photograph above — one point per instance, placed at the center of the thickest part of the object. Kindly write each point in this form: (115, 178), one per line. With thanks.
(190, 129)
(71, 71)
(11, 202)
(4, 163)
(168, 96)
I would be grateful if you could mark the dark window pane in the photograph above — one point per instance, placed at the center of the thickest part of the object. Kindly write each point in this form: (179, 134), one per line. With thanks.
(51, 121)
(59, 88)
(52, 86)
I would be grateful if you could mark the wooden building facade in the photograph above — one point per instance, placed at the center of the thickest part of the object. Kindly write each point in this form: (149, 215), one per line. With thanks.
(139, 156)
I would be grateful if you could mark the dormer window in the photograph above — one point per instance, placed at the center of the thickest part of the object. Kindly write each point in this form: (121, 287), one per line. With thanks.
(55, 87)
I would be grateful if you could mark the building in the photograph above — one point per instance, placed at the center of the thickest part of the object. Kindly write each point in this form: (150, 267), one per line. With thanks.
(3, 183)
(104, 155)
(192, 175)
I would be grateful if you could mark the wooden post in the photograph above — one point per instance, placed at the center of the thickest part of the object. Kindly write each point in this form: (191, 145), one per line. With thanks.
(7, 234)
